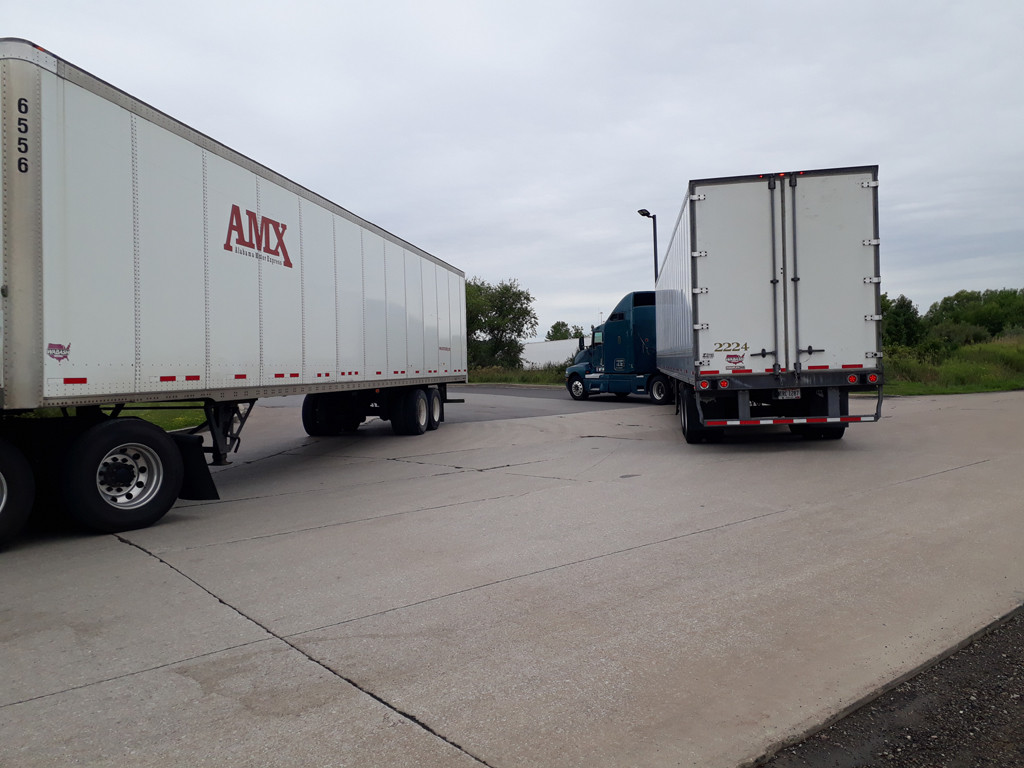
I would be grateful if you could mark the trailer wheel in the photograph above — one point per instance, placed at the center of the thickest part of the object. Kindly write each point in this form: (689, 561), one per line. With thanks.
(17, 489)
(658, 391)
(577, 388)
(413, 413)
(350, 422)
(436, 411)
(318, 416)
(688, 416)
(811, 432)
(328, 414)
(120, 475)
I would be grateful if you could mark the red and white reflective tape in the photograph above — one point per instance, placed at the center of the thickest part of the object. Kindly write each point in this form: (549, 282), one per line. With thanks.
(807, 420)
(844, 366)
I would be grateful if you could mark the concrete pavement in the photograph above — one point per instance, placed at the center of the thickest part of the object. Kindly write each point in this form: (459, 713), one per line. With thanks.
(571, 590)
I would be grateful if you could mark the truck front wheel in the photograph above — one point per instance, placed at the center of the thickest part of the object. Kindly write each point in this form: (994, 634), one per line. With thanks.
(577, 388)
(120, 475)
(658, 391)
(17, 489)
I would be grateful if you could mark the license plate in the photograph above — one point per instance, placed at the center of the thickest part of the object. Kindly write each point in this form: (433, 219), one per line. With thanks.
(787, 394)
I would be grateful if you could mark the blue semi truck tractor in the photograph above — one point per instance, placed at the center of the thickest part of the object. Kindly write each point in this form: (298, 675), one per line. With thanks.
(621, 356)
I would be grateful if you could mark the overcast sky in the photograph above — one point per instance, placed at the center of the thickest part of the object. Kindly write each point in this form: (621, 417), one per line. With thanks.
(517, 139)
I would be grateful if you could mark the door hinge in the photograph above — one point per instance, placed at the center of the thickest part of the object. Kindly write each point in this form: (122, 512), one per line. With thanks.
(697, 198)
(874, 241)
(700, 290)
(700, 326)
(872, 317)
(869, 280)
(866, 184)
(873, 355)
(698, 254)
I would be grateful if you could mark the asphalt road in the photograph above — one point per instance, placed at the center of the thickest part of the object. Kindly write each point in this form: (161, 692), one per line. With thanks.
(578, 587)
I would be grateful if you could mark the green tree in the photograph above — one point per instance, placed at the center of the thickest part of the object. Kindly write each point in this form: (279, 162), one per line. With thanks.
(498, 318)
(561, 330)
(993, 310)
(901, 322)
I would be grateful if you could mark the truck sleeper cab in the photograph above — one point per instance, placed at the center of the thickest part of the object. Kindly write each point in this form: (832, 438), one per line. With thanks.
(620, 359)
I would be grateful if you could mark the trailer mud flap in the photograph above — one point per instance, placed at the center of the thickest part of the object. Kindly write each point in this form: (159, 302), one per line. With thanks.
(198, 483)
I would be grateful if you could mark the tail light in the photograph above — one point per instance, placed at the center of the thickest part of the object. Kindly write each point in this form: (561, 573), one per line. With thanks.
(852, 378)
(723, 383)
(872, 378)
(704, 383)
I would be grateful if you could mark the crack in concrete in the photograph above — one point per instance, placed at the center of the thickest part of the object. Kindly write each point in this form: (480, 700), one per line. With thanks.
(133, 673)
(940, 472)
(441, 467)
(384, 516)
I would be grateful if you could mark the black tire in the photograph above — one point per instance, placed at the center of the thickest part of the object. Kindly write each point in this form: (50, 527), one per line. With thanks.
(688, 417)
(350, 422)
(577, 387)
(812, 432)
(315, 415)
(328, 414)
(658, 390)
(120, 475)
(17, 491)
(435, 414)
(413, 413)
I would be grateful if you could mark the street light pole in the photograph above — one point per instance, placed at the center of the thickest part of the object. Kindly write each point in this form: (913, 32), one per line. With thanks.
(654, 223)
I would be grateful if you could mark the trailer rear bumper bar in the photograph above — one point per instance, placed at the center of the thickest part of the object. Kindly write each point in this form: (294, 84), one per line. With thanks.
(807, 420)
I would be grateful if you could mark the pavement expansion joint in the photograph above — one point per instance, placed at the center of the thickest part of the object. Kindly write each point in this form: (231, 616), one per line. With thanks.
(537, 572)
(942, 472)
(382, 701)
(133, 673)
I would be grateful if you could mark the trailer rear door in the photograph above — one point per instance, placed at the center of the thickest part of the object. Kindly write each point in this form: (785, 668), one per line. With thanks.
(832, 270)
(735, 311)
(785, 271)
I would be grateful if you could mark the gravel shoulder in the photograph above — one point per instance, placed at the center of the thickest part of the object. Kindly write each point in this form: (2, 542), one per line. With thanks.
(964, 711)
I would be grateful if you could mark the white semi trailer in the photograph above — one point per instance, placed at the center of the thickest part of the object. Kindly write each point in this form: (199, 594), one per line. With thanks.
(768, 304)
(144, 262)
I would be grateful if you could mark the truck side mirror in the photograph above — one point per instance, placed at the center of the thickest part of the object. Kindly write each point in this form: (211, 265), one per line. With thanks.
(581, 342)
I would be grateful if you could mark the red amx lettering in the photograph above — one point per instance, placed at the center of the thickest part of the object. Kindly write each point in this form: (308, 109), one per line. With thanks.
(258, 233)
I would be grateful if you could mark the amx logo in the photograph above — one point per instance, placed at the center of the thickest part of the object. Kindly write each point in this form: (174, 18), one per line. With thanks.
(257, 236)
